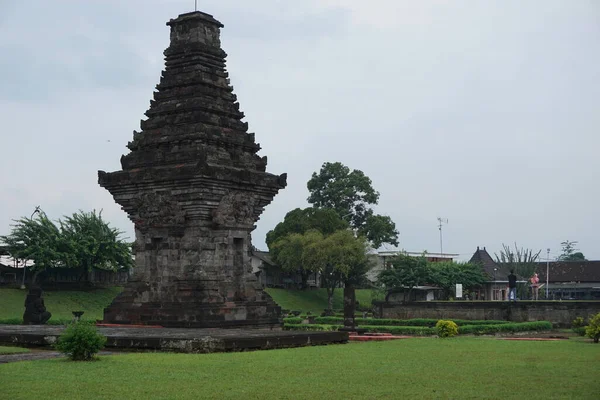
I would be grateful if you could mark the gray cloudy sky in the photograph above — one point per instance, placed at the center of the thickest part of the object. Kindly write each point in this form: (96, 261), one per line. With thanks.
(484, 112)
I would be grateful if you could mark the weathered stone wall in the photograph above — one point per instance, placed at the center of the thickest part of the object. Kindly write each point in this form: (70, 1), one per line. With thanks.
(560, 313)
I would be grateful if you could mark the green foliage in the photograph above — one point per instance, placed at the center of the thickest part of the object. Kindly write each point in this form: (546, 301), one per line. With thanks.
(428, 322)
(401, 330)
(94, 244)
(82, 240)
(311, 327)
(570, 253)
(578, 322)
(523, 261)
(290, 252)
(447, 274)
(38, 239)
(350, 194)
(293, 320)
(593, 329)
(579, 330)
(300, 221)
(405, 272)
(80, 342)
(339, 257)
(445, 329)
(508, 327)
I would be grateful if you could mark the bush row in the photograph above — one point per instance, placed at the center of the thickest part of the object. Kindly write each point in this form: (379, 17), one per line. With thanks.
(507, 327)
(293, 320)
(428, 322)
(311, 327)
(425, 330)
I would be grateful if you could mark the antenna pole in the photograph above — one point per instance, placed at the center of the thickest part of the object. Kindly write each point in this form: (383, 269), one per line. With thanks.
(440, 222)
(195, 5)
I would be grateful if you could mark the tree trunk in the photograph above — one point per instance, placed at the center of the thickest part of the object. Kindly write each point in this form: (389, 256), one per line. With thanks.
(34, 277)
(330, 298)
(349, 306)
(304, 277)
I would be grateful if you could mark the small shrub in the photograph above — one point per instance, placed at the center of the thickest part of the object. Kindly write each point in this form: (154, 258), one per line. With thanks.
(446, 328)
(80, 342)
(578, 322)
(580, 330)
(593, 329)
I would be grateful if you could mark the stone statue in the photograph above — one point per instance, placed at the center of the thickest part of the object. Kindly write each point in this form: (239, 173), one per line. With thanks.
(35, 310)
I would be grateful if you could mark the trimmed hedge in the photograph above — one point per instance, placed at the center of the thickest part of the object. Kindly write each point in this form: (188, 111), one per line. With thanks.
(426, 331)
(401, 330)
(509, 327)
(428, 322)
(293, 320)
(311, 327)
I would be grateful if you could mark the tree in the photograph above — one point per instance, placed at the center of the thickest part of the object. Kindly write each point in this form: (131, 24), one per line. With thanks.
(339, 258)
(570, 253)
(289, 253)
(82, 240)
(523, 261)
(350, 194)
(301, 220)
(447, 274)
(39, 240)
(94, 243)
(406, 272)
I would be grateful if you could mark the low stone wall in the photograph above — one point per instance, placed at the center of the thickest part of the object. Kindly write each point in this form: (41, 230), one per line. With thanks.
(561, 313)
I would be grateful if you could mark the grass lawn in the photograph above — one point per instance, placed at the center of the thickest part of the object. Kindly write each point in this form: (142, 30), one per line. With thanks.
(425, 368)
(59, 303)
(12, 350)
(315, 300)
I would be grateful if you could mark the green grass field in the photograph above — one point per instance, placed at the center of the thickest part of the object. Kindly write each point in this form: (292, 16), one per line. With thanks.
(12, 350)
(59, 303)
(424, 368)
(315, 300)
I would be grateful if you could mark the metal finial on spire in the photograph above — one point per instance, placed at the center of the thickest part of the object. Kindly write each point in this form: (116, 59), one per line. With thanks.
(195, 5)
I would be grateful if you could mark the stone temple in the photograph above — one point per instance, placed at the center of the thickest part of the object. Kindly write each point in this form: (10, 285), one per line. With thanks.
(194, 187)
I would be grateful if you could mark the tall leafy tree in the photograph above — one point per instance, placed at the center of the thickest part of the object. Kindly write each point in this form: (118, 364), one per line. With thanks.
(570, 252)
(289, 252)
(83, 240)
(339, 258)
(406, 272)
(94, 243)
(446, 275)
(41, 240)
(351, 194)
(301, 220)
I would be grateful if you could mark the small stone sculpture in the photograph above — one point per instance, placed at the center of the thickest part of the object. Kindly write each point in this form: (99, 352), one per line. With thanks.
(35, 310)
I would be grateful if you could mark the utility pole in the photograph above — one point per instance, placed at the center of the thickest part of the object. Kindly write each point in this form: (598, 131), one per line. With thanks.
(547, 270)
(440, 222)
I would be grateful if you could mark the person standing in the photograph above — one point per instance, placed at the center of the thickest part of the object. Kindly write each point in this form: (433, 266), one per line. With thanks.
(512, 286)
(535, 283)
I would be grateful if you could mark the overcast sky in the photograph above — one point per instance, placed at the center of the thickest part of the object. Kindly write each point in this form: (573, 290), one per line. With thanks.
(482, 112)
